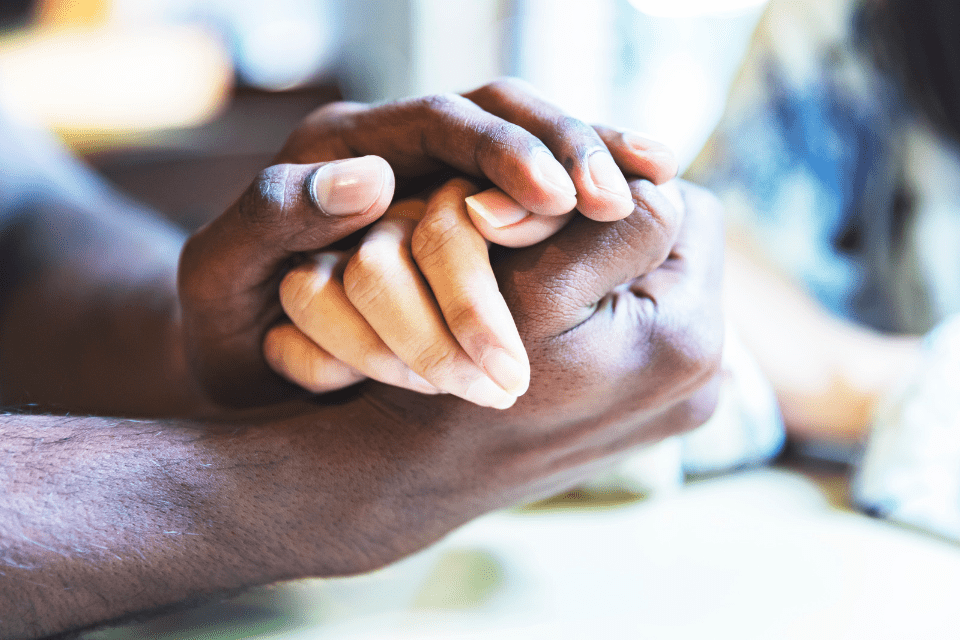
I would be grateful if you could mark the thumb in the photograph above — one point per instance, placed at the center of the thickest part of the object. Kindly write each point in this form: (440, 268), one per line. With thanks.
(230, 270)
(556, 285)
(292, 208)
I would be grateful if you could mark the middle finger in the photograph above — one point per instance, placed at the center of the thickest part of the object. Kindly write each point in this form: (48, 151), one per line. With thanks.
(383, 283)
(453, 257)
(602, 191)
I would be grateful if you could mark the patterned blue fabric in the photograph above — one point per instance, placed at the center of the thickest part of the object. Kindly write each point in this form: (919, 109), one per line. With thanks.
(811, 160)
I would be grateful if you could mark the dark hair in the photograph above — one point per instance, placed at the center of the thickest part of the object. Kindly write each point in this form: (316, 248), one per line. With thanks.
(917, 42)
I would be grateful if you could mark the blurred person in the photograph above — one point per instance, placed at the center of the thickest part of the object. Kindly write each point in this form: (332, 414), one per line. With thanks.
(180, 498)
(838, 165)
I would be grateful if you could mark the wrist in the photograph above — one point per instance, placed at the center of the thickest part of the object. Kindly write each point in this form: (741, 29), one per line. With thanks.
(307, 492)
(357, 486)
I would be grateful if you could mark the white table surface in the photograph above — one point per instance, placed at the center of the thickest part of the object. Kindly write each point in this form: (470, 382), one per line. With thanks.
(770, 553)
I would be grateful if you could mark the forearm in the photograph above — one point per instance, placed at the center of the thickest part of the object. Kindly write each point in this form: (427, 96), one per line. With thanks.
(101, 518)
(104, 518)
(828, 373)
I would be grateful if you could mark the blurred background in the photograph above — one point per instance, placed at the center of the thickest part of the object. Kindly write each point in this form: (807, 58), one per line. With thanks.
(181, 102)
(201, 93)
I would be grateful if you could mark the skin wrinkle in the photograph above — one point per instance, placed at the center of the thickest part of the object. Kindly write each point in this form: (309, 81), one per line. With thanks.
(502, 138)
(466, 315)
(587, 142)
(649, 213)
(440, 108)
(498, 93)
(431, 236)
(483, 152)
(394, 120)
(310, 189)
(489, 147)
(439, 362)
(266, 198)
(333, 132)
(360, 281)
(118, 501)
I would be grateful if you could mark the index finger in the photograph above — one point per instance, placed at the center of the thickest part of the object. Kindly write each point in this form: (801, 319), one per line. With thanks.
(452, 255)
(595, 157)
(420, 135)
(602, 191)
(504, 132)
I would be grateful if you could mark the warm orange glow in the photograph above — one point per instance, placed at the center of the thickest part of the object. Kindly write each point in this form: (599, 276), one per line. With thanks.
(90, 82)
(73, 12)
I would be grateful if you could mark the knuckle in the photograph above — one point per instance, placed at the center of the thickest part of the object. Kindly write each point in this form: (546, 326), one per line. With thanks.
(372, 358)
(201, 272)
(189, 268)
(463, 315)
(431, 239)
(457, 188)
(607, 133)
(505, 86)
(660, 220)
(365, 276)
(444, 104)
(696, 409)
(580, 140)
(298, 291)
(691, 352)
(501, 141)
(436, 361)
(262, 204)
(579, 131)
(337, 110)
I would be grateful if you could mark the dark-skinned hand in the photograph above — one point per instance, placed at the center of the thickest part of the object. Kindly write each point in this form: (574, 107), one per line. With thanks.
(231, 270)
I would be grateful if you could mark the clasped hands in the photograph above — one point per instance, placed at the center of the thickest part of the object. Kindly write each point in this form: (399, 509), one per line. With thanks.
(611, 317)
(415, 304)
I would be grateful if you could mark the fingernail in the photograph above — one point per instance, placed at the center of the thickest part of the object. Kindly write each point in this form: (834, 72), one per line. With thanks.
(554, 174)
(656, 151)
(419, 383)
(641, 143)
(486, 393)
(607, 175)
(346, 187)
(497, 208)
(506, 371)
